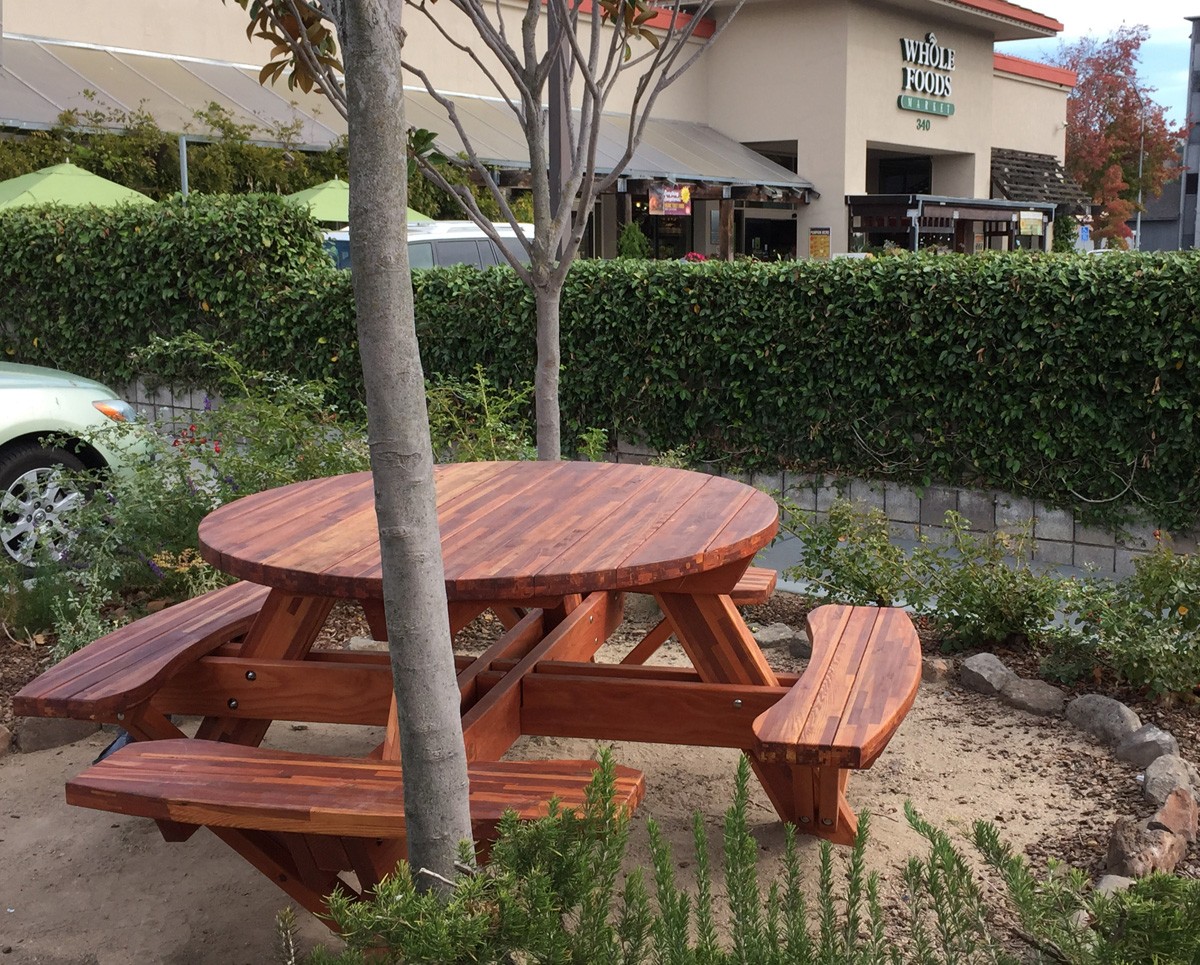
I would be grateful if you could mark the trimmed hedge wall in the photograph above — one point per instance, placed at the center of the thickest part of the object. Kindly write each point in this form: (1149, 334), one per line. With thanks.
(1070, 379)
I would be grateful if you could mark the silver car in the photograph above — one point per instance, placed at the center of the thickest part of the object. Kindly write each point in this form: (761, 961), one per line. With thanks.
(49, 422)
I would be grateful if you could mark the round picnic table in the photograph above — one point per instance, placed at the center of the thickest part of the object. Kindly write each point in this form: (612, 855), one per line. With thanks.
(549, 548)
(511, 531)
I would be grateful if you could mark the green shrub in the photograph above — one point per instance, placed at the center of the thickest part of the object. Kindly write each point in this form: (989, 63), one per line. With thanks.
(916, 368)
(136, 539)
(986, 588)
(551, 895)
(1145, 629)
(632, 242)
(982, 589)
(471, 420)
(850, 558)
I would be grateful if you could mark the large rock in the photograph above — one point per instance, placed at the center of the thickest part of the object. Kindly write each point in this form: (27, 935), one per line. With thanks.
(1178, 815)
(779, 636)
(985, 673)
(1102, 717)
(1145, 745)
(1111, 884)
(43, 733)
(1035, 696)
(6, 738)
(936, 670)
(1166, 773)
(1135, 850)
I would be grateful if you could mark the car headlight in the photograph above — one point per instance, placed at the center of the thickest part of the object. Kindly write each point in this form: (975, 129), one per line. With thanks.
(117, 410)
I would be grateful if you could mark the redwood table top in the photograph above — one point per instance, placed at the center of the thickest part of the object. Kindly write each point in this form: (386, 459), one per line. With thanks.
(510, 530)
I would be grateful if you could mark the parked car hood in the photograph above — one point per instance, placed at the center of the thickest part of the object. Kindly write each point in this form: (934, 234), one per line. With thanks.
(14, 376)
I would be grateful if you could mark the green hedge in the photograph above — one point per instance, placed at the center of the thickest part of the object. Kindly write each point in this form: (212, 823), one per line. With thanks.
(1067, 378)
(82, 289)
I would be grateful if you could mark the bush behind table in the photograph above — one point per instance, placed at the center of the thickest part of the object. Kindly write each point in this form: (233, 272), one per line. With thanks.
(1067, 379)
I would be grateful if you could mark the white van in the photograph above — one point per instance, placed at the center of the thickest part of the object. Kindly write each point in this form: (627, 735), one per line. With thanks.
(436, 244)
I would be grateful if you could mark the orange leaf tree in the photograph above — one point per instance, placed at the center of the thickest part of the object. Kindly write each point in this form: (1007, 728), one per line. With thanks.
(1112, 124)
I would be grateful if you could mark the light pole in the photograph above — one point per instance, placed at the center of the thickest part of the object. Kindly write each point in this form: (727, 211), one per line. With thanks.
(1137, 229)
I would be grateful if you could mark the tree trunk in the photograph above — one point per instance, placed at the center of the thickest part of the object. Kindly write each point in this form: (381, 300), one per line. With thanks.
(545, 385)
(436, 801)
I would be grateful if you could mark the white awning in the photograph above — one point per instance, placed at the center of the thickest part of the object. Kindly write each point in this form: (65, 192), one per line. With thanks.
(40, 79)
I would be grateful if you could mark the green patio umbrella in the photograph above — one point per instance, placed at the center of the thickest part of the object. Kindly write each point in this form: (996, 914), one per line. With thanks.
(330, 201)
(66, 184)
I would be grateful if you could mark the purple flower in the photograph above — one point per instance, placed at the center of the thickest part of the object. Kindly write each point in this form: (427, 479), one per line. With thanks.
(207, 404)
(155, 569)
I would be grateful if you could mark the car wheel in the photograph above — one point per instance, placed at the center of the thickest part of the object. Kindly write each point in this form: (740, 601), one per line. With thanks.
(36, 501)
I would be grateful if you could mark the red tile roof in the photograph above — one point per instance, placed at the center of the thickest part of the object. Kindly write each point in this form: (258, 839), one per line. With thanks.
(1034, 69)
(1012, 11)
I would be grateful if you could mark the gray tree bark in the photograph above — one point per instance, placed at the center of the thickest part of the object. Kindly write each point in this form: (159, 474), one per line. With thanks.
(436, 799)
(549, 435)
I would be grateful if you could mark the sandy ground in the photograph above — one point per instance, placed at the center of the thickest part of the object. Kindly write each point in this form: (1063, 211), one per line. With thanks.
(80, 886)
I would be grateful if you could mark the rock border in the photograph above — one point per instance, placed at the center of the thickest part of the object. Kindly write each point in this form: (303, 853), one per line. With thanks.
(1136, 848)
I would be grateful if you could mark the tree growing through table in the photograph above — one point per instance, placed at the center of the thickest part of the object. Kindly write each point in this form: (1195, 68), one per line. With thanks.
(591, 61)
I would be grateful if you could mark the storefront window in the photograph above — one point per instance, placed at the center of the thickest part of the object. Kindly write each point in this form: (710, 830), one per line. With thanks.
(770, 239)
(670, 237)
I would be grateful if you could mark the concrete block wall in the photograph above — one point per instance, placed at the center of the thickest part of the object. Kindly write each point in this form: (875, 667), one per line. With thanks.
(1059, 539)
(171, 407)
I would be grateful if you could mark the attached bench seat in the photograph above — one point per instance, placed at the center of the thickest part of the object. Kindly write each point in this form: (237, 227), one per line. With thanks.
(860, 683)
(124, 668)
(233, 786)
(756, 586)
(302, 819)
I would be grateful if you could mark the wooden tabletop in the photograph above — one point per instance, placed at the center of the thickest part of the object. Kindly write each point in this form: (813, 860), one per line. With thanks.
(510, 530)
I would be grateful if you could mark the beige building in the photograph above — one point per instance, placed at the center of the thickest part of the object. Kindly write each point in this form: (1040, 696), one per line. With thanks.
(816, 126)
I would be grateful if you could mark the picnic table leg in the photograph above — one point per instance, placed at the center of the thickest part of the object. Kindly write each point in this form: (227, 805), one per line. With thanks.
(284, 629)
(716, 639)
(811, 798)
(308, 887)
(722, 649)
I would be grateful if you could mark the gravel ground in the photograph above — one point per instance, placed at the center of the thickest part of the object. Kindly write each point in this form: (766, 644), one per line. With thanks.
(959, 757)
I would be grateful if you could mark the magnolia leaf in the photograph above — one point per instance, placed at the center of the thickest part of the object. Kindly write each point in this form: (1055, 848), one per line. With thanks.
(290, 26)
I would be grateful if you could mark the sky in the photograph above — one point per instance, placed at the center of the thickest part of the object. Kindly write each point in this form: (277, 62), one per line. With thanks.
(1164, 56)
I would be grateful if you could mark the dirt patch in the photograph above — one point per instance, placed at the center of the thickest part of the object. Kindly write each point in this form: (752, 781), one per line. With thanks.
(90, 887)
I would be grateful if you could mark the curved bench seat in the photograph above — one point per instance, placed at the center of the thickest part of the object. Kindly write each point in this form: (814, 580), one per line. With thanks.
(859, 685)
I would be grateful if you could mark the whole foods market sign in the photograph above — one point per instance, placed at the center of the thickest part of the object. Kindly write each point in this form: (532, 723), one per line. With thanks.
(927, 76)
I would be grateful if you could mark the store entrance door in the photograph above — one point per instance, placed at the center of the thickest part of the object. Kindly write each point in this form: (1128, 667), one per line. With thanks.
(770, 239)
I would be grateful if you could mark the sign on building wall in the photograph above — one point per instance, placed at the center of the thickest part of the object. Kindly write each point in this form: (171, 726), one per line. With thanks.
(1030, 223)
(927, 76)
(670, 199)
(818, 243)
